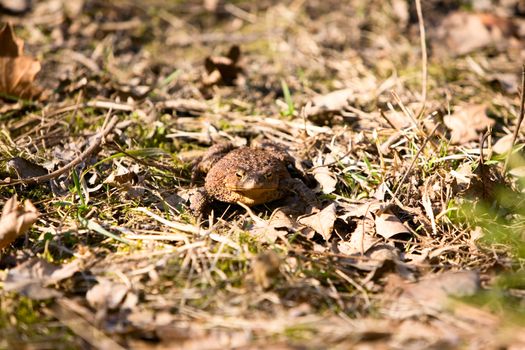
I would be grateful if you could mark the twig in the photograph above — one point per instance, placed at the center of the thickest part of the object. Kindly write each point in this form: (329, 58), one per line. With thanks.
(173, 224)
(424, 57)
(97, 140)
(416, 156)
(146, 163)
(405, 110)
(520, 118)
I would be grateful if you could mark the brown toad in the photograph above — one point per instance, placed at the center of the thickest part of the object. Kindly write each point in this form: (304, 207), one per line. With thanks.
(250, 176)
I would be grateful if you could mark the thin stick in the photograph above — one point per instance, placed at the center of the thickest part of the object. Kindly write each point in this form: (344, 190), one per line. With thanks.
(414, 161)
(424, 57)
(520, 118)
(99, 137)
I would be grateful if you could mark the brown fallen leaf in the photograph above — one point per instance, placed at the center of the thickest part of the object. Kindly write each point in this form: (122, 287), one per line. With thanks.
(334, 101)
(503, 145)
(276, 227)
(15, 6)
(463, 32)
(123, 176)
(388, 225)
(380, 259)
(322, 222)
(223, 69)
(428, 296)
(507, 82)
(26, 169)
(518, 171)
(466, 122)
(16, 219)
(109, 296)
(362, 210)
(17, 72)
(463, 174)
(361, 239)
(32, 278)
(323, 175)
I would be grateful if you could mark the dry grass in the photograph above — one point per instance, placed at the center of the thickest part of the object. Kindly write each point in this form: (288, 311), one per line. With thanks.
(220, 282)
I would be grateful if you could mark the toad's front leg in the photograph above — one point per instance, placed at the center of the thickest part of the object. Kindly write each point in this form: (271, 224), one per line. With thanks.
(306, 193)
(199, 201)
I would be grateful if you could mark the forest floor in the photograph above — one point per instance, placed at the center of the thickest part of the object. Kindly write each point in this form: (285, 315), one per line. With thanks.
(418, 241)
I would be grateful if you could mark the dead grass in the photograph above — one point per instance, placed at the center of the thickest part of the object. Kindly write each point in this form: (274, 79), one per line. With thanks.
(232, 280)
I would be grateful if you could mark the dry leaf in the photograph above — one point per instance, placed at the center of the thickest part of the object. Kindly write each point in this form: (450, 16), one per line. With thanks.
(430, 295)
(325, 178)
(223, 70)
(466, 32)
(507, 82)
(361, 210)
(130, 177)
(380, 257)
(332, 102)
(518, 171)
(503, 145)
(26, 169)
(278, 226)
(322, 222)
(323, 175)
(463, 174)
(17, 72)
(388, 225)
(32, 278)
(107, 295)
(360, 241)
(466, 122)
(16, 220)
(15, 6)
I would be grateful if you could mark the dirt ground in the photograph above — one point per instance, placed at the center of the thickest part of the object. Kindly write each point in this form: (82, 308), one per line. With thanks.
(401, 117)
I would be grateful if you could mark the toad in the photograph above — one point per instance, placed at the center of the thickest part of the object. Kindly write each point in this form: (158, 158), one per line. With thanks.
(246, 175)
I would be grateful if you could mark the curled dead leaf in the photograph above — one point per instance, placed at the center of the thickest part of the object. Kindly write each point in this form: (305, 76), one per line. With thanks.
(466, 122)
(15, 6)
(360, 241)
(26, 169)
(463, 174)
(17, 72)
(223, 69)
(463, 32)
(430, 295)
(388, 225)
(322, 222)
(106, 295)
(33, 277)
(278, 225)
(332, 102)
(503, 145)
(323, 175)
(16, 219)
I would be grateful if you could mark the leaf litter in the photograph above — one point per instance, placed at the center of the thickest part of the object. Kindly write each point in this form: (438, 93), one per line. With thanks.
(389, 187)
(17, 71)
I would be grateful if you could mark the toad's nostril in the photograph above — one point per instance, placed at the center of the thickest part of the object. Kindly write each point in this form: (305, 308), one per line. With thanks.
(240, 174)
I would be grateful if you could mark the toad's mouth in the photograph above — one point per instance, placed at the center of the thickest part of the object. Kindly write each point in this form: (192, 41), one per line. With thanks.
(254, 190)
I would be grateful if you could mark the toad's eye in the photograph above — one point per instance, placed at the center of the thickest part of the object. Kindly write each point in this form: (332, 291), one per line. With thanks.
(240, 174)
(268, 176)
